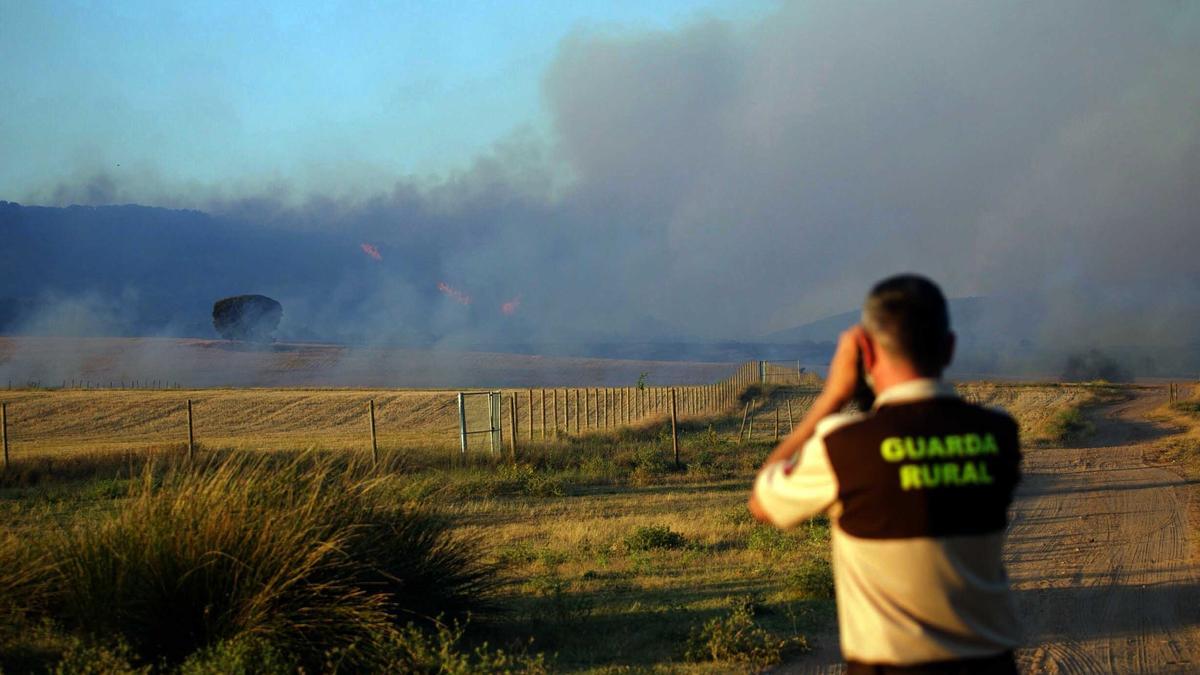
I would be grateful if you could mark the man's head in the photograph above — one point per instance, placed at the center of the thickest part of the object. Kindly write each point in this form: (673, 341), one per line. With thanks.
(906, 319)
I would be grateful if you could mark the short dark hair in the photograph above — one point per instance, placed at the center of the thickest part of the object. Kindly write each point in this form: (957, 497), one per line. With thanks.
(907, 314)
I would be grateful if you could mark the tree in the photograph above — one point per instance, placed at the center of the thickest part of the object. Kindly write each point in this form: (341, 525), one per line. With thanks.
(247, 317)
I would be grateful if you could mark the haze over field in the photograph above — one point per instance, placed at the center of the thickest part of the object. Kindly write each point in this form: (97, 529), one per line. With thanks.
(717, 172)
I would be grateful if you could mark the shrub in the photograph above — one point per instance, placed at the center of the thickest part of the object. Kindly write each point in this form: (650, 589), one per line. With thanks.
(239, 656)
(302, 556)
(813, 578)
(1191, 407)
(507, 479)
(737, 636)
(246, 317)
(438, 651)
(770, 539)
(1068, 426)
(651, 537)
(81, 658)
(703, 463)
(649, 464)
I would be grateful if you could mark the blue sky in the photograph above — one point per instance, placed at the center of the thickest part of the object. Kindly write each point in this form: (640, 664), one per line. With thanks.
(227, 93)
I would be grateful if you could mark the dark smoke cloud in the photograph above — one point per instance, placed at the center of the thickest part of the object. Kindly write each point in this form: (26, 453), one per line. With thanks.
(726, 180)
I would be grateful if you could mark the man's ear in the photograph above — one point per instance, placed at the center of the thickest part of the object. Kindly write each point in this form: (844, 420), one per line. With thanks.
(866, 350)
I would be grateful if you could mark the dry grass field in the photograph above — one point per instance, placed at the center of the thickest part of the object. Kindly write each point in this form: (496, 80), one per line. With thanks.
(198, 363)
(607, 556)
(49, 422)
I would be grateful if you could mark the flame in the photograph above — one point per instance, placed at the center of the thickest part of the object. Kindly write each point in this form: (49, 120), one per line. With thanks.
(454, 294)
(372, 250)
(509, 308)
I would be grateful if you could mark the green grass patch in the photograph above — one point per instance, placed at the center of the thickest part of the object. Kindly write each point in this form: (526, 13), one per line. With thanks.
(1067, 426)
(1187, 407)
(738, 637)
(653, 537)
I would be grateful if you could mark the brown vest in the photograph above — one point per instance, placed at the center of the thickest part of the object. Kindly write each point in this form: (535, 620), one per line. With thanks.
(929, 468)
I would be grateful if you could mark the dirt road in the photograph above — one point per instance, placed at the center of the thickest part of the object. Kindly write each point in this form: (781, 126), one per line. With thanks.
(1098, 552)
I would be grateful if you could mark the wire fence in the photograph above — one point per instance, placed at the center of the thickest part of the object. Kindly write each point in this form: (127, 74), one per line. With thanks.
(55, 422)
(48, 422)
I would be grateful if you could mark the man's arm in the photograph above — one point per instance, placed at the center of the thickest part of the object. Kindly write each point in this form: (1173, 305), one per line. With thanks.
(837, 392)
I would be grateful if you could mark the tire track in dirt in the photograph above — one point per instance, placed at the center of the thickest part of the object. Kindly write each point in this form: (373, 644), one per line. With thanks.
(1098, 550)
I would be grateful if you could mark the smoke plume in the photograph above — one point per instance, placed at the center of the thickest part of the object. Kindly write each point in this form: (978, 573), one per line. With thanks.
(725, 180)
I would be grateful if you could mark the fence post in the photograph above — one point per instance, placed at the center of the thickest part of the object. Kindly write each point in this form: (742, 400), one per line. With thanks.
(374, 441)
(4, 431)
(556, 413)
(577, 411)
(462, 425)
(791, 424)
(191, 434)
(530, 400)
(776, 421)
(542, 401)
(496, 422)
(512, 423)
(674, 431)
(742, 429)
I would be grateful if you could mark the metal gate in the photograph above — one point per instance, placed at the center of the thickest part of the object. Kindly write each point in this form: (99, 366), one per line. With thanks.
(487, 421)
(781, 372)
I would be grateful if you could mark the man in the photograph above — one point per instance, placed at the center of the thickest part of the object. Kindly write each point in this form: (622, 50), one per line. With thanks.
(917, 489)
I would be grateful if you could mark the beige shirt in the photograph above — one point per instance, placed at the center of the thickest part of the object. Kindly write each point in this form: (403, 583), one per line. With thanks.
(919, 594)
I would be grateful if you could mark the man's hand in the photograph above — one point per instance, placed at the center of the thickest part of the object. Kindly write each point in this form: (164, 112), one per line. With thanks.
(838, 390)
(843, 370)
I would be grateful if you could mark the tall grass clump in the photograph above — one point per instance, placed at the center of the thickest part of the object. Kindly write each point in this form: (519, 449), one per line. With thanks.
(1068, 426)
(737, 636)
(308, 555)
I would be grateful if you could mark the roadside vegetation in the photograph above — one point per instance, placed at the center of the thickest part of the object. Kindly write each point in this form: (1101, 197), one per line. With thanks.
(1179, 450)
(597, 553)
(315, 560)
(1049, 415)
